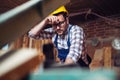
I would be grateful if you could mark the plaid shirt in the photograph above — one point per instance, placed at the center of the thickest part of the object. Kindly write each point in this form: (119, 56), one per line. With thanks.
(76, 40)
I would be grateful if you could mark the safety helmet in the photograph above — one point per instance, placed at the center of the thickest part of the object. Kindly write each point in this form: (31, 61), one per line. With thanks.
(60, 9)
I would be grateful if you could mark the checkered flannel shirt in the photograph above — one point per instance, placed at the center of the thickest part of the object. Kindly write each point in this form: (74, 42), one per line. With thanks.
(76, 40)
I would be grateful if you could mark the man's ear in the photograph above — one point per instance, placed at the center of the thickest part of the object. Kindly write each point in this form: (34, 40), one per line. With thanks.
(67, 19)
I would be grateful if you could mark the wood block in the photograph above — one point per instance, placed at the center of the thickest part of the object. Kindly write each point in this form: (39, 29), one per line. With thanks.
(95, 65)
(97, 61)
(107, 57)
(18, 63)
(98, 54)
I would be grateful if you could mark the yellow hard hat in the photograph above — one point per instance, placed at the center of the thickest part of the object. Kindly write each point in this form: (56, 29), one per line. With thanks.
(60, 9)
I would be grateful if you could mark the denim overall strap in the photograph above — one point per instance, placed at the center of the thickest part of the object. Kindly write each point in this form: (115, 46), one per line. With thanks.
(62, 53)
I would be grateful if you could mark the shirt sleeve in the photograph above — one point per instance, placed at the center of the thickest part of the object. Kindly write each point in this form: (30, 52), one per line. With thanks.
(76, 40)
(44, 34)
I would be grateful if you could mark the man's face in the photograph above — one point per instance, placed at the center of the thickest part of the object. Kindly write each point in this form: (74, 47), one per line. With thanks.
(61, 26)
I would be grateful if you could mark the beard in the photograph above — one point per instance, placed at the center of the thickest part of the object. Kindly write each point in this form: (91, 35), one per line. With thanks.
(60, 32)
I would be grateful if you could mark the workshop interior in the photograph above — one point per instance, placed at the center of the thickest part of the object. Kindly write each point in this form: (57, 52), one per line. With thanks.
(24, 58)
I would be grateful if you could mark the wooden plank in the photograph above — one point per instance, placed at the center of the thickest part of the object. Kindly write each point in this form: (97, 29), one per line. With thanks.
(107, 57)
(97, 61)
(17, 63)
(98, 54)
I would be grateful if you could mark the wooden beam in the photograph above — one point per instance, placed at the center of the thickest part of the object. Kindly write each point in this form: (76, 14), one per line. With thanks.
(17, 21)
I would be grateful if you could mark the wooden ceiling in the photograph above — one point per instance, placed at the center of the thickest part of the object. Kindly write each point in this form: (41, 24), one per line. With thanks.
(101, 7)
(78, 9)
(92, 8)
(6, 5)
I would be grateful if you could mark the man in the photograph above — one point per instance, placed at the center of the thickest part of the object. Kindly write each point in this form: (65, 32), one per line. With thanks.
(68, 39)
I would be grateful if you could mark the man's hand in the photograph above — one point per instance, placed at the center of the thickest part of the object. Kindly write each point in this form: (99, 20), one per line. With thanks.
(69, 61)
(52, 20)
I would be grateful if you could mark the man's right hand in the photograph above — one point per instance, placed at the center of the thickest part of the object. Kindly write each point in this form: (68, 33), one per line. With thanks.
(51, 20)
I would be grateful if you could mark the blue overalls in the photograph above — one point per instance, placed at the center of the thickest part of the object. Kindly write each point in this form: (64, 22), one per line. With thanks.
(62, 53)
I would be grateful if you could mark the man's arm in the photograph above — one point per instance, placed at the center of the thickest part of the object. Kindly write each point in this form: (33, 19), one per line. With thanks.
(77, 39)
(37, 29)
(48, 20)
